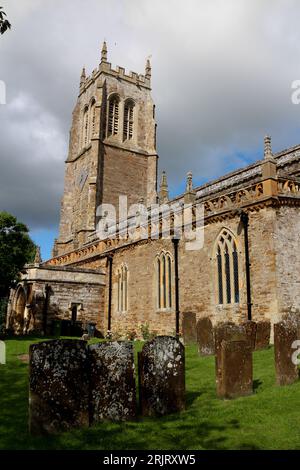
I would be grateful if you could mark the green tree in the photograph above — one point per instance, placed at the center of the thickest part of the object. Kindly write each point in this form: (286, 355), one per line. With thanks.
(16, 249)
(4, 23)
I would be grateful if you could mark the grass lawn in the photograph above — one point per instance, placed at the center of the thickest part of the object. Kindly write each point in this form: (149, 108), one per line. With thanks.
(269, 419)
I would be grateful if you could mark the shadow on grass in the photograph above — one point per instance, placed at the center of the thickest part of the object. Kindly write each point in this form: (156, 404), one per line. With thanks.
(256, 384)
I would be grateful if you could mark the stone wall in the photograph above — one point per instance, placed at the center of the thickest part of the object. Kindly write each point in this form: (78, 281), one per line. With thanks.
(197, 272)
(286, 239)
(65, 288)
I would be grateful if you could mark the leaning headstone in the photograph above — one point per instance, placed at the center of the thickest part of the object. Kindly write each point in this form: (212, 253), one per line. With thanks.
(285, 333)
(2, 352)
(189, 327)
(58, 386)
(250, 329)
(162, 376)
(234, 371)
(263, 331)
(112, 381)
(205, 337)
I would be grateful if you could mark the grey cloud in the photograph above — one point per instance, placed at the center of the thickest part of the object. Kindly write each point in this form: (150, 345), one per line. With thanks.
(222, 73)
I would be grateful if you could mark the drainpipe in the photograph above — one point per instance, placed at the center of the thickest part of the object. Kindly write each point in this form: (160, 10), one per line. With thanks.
(110, 263)
(245, 221)
(177, 311)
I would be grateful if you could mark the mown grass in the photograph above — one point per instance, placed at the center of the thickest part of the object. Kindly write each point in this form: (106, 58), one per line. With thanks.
(269, 419)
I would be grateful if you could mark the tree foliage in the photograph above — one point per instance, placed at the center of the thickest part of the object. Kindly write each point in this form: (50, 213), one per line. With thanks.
(4, 23)
(16, 249)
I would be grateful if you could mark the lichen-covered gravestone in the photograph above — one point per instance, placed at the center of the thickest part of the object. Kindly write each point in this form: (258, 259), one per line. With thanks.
(235, 376)
(285, 333)
(58, 386)
(263, 331)
(112, 381)
(233, 359)
(162, 376)
(2, 352)
(189, 327)
(205, 337)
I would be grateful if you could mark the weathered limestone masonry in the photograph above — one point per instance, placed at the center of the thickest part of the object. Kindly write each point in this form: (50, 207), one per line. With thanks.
(126, 281)
(49, 293)
(105, 158)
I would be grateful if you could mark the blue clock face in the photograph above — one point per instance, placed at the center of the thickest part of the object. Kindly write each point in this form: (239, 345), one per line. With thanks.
(82, 177)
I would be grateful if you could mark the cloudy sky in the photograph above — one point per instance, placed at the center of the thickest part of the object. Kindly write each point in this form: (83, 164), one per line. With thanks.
(221, 78)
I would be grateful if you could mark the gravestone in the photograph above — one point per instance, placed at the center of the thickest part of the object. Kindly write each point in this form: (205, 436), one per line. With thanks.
(112, 381)
(205, 337)
(189, 327)
(2, 353)
(250, 329)
(263, 331)
(234, 371)
(226, 331)
(162, 376)
(58, 386)
(285, 333)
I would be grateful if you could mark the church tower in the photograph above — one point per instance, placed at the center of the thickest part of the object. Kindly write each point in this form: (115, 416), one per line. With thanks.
(112, 150)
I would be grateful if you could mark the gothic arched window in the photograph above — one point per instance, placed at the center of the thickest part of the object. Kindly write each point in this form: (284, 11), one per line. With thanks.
(164, 280)
(123, 288)
(85, 130)
(113, 115)
(128, 120)
(227, 268)
(92, 118)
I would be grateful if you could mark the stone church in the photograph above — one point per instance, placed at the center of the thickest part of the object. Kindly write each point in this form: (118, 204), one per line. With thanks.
(247, 268)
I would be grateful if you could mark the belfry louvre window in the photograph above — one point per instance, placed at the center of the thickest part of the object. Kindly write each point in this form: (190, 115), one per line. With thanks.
(128, 120)
(164, 281)
(123, 288)
(85, 131)
(113, 116)
(227, 268)
(93, 118)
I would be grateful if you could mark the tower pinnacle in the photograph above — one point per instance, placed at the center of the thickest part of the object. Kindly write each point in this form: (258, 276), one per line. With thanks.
(163, 189)
(267, 147)
(148, 69)
(83, 77)
(104, 52)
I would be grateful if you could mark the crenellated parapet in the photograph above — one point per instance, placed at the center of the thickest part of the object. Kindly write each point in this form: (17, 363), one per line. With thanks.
(105, 68)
